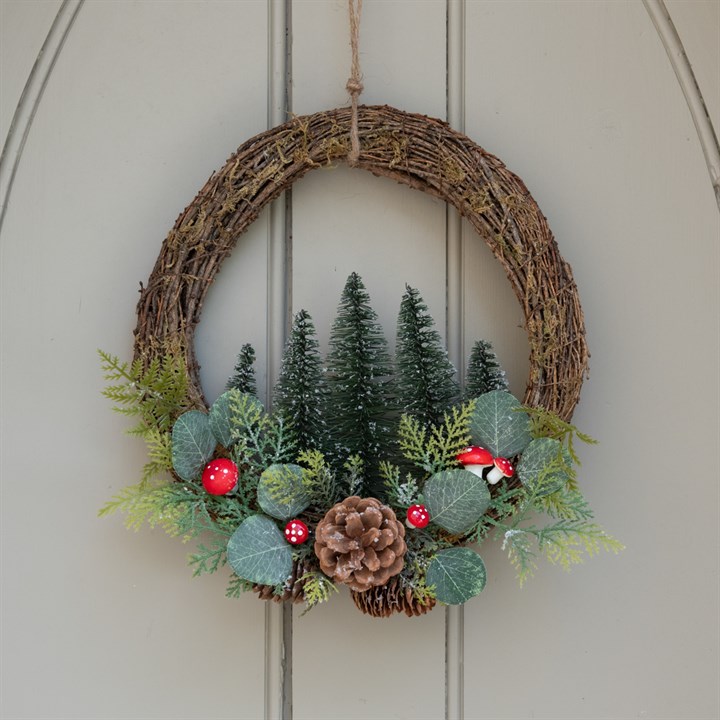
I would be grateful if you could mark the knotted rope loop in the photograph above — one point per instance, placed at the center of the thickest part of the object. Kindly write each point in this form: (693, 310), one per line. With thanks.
(354, 84)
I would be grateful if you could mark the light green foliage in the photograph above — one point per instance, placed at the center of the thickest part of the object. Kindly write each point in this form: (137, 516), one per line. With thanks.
(544, 423)
(359, 378)
(258, 439)
(436, 447)
(159, 449)
(425, 382)
(567, 539)
(193, 444)
(400, 494)
(319, 479)
(484, 373)
(300, 394)
(221, 422)
(180, 509)
(456, 499)
(456, 575)
(281, 491)
(317, 588)
(546, 465)
(156, 395)
(243, 378)
(237, 586)
(353, 478)
(258, 552)
(498, 424)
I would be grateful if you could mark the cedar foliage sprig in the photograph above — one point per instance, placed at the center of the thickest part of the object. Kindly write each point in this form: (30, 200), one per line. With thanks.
(317, 588)
(156, 395)
(435, 447)
(566, 541)
(544, 423)
(259, 439)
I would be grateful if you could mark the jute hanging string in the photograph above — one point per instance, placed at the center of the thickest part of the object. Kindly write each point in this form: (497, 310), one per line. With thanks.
(354, 83)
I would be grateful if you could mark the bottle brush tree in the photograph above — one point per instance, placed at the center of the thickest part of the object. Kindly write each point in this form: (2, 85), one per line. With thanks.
(300, 393)
(243, 377)
(483, 371)
(425, 377)
(359, 377)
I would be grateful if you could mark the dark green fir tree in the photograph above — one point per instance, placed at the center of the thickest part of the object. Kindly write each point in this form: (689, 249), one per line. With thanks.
(300, 393)
(359, 378)
(243, 377)
(425, 377)
(483, 371)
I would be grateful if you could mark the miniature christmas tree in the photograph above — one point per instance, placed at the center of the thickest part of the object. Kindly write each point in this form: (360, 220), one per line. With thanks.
(300, 392)
(243, 378)
(426, 385)
(359, 379)
(483, 371)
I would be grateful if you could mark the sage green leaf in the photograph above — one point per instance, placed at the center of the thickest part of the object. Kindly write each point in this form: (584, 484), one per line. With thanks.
(456, 499)
(543, 466)
(193, 444)
(457, 574)
(258, 552)
(281, 492)
(498, 424)
(221, 415)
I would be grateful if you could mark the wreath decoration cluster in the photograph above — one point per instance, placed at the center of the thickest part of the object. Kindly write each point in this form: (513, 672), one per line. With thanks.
(381, 483)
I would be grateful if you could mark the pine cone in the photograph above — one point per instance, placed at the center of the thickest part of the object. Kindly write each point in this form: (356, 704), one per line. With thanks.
(391, 598)
(361, 543)
(294, 588)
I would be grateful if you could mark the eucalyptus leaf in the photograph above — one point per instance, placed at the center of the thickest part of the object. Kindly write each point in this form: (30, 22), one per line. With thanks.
(193, 444)
(457, 574)
(281, 492)
(258, 552)
(498, 424)
(542, 466)
(221, 415)
(456, 499)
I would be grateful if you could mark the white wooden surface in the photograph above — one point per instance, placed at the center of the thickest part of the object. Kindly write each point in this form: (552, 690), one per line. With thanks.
(146, 100)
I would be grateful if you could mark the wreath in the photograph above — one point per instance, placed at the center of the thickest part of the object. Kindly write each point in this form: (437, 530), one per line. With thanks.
(378, 474)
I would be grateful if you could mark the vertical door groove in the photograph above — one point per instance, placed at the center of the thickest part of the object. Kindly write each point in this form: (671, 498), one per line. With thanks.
(455, 614)
(278, 616)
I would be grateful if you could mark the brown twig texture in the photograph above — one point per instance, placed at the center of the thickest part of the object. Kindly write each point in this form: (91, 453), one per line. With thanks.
(415, 150)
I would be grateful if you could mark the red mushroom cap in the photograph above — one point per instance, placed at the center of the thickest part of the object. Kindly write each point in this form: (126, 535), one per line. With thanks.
(418, 516)
(504, 466)
(296, 532)
(220, 476)
(475, 455)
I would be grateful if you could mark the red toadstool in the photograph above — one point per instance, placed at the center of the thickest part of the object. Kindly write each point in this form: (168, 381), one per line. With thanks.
(475, 459)
(417, 516)
(296, 532)
(220, 476)
(503, 468)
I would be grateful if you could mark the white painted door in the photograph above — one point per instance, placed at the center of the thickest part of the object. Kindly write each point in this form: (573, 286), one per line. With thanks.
(131, 107)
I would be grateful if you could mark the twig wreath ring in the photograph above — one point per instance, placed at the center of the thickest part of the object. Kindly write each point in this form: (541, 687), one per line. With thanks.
(420, 152)
(380, 474)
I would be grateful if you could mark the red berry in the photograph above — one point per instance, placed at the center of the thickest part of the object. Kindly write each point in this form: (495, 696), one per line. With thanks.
(220, 476)
(417, 516)
(296, 532)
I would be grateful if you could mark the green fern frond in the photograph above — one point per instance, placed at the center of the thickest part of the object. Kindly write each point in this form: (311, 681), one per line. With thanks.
(159, 448)
(520, 553)
(566, 543)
